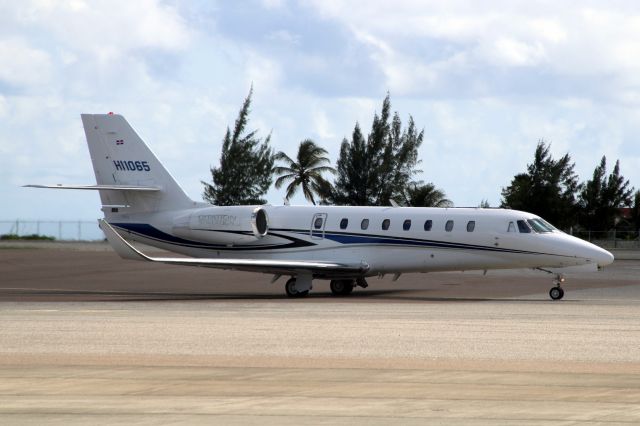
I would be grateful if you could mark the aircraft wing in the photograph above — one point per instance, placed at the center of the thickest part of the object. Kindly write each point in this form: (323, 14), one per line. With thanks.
(271, 266)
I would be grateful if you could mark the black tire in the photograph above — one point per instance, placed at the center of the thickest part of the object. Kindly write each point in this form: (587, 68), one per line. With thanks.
(341, 287)
(290, 288)
(556, 293)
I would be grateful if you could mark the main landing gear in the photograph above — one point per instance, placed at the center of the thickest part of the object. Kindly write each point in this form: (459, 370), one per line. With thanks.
(295, 289)
(300, 285)
(342, 287)
(345, 286)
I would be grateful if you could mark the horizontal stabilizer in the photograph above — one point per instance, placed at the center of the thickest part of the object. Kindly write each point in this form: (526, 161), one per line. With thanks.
(127, 251)
(98, 187)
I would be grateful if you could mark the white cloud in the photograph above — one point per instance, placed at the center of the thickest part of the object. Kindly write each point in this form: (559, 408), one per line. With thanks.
(421, 43)
(510, 52)
(485, 79)
(23, 64)
(108, 29)
(262, 71)
(284, 37)
(273, 4)
(322, 126)
(4, 107)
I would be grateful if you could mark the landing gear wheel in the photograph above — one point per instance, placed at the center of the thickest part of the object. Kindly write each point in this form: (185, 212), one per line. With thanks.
(292, 291)
(556, 293)
(341, 287)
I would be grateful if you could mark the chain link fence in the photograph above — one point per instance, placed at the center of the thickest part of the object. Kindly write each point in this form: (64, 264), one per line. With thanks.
(614, 239)
(61, 230)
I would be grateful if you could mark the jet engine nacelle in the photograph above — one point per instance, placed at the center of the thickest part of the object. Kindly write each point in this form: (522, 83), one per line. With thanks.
(223, 225)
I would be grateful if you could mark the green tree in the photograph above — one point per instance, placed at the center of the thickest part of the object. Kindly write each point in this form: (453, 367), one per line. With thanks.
(306, 172)
(427, 195)
(246, 165)
(635, 212)
(602, 196)
(373, 171)
(547, 189)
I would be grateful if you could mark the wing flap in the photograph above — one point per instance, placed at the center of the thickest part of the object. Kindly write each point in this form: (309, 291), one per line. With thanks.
(127, 251)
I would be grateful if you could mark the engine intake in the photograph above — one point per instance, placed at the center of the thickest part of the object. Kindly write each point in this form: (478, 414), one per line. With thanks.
(260, 222)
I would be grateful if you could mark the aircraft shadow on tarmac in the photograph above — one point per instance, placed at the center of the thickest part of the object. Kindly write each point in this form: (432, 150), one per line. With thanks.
(396, 295)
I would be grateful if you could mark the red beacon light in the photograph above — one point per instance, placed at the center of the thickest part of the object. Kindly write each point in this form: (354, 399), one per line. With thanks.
(110, 112)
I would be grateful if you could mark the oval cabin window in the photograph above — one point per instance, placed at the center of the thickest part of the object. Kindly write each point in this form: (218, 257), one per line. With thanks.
(449, 226)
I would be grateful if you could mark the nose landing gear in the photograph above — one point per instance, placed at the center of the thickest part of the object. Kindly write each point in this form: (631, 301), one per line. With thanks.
(557, 293)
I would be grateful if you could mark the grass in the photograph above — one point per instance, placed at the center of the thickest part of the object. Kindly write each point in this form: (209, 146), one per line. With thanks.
(32, 237)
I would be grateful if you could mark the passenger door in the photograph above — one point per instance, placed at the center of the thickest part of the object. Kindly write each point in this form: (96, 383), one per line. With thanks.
(317, 225)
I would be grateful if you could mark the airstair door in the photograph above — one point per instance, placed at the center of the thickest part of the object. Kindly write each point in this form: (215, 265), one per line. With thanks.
(317, 225)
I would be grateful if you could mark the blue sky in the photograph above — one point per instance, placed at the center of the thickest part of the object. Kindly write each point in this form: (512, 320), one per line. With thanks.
(486, 80)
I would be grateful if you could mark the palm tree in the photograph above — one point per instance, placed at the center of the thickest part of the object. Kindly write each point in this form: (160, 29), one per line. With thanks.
(306, 172)
(427, 195)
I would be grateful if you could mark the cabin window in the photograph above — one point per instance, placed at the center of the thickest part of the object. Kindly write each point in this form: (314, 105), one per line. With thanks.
(523, 227)
(511, 228)
(317, 223)
(385, 224)
(471, 225)
(343, 223)
(406, 225)
(428, 224)
(364, 224)
(448, 226)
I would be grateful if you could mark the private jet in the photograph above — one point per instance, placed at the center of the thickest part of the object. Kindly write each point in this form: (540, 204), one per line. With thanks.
(143, 203)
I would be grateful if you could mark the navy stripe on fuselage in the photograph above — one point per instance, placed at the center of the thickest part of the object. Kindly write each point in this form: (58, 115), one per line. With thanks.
(373, 239)
(344, 238)
(147, 231)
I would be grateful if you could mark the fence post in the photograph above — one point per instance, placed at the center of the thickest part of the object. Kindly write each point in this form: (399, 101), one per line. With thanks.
(59, 230)
(79, 230)
(18, 227)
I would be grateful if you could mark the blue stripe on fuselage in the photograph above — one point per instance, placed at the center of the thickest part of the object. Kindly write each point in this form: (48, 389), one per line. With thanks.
(148, 231)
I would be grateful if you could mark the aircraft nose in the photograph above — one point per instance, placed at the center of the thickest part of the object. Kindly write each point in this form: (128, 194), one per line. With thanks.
(602, 256)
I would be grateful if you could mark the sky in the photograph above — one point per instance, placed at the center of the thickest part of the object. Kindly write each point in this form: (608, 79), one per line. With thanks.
(485, 80)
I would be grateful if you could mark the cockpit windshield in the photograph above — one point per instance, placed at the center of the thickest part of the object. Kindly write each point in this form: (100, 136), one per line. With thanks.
(540, 226)
(523, 227)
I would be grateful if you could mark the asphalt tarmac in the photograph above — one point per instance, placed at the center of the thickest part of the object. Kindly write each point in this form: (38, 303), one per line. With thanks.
(88, 338)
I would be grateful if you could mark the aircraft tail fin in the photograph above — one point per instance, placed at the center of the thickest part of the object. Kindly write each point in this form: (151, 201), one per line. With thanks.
(122, 160)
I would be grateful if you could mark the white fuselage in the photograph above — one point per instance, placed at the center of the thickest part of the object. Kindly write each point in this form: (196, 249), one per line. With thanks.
(454, 239)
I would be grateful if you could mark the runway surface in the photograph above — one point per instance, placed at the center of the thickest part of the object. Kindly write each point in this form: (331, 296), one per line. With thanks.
(88, 338)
